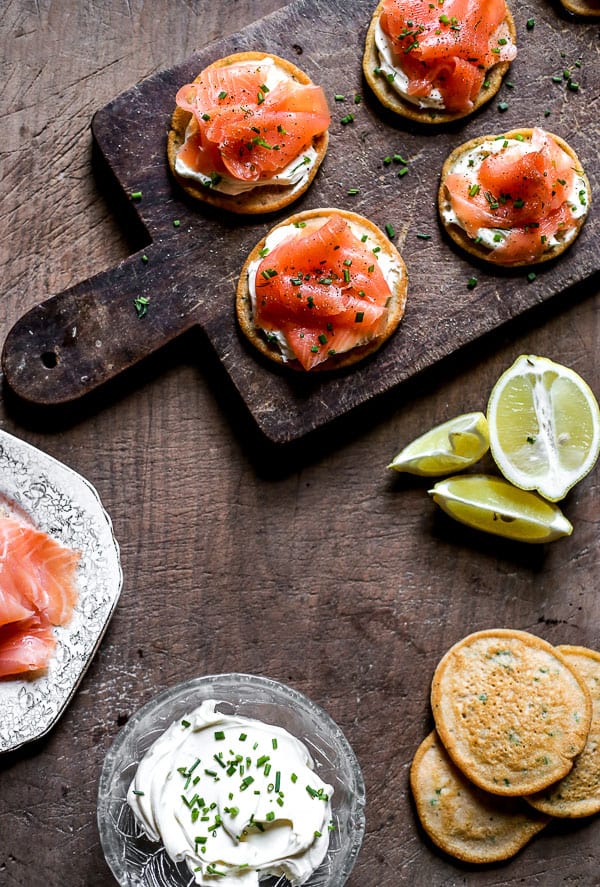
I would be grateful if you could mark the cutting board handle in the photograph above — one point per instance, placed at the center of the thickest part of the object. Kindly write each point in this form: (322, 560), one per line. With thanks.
(83, 337)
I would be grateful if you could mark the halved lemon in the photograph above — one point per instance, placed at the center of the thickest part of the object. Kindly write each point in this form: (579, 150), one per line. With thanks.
(544, 424)
(496, 506)
(448, 447)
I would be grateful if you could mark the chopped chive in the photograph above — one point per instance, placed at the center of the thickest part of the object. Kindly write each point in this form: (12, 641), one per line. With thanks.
(183, 723)
(357, 99)
(136, 792)
(274, 742)
(360, 315)
(144, 260)
(176, 223)
(423, 236)
(353, 191)
(502, 106)
(402, 172)
(136, 195)
(389, 228)
(347, 119)
(531, 276)
(219, 734)
(222, 95)
(339, 98)
(141, 305)
(270, 816)
(530, 24)
(472, 283)
(206, 116)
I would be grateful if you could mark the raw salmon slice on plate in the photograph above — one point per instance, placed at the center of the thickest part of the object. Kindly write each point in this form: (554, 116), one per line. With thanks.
(37, 591)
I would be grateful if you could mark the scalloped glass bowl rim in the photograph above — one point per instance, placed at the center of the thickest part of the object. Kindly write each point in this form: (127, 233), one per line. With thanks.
(243, 691)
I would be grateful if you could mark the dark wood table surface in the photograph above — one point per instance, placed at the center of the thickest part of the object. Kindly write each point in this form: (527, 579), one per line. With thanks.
(311, 563)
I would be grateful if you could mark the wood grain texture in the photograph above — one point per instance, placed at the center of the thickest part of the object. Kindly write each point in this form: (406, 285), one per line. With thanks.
(90, 334)
(310, 563)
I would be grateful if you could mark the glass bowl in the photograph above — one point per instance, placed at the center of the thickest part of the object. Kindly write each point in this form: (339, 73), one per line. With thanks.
(135, 860)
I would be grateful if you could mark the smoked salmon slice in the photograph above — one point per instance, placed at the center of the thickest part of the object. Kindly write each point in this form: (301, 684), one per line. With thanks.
(322, 289)
(37, 591)
(447, 46)
(523, 192)
(246, 129)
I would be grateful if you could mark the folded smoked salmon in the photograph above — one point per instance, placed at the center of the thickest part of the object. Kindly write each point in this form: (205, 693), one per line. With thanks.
(323, 289)
(438, 61)
(37, 591)
(249, 133)
(514, 199)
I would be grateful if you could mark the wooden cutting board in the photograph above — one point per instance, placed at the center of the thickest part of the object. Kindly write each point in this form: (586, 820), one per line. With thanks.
(85, 336)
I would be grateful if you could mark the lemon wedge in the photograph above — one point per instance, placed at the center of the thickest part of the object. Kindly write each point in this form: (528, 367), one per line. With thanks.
(496, 506)
(448, 447)
(544, 426)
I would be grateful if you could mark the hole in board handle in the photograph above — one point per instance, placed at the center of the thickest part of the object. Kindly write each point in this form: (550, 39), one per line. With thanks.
(49, 359)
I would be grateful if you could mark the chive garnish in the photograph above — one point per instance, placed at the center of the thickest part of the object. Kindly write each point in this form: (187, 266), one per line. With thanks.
(270, 816)
(347, 119)
(141, 305)
(136, 195)
(222, 95)
(219, 734)
(360, 315)
(389, 228)
(502, 106)
(530, 24)
(472, 283)
(183, 723)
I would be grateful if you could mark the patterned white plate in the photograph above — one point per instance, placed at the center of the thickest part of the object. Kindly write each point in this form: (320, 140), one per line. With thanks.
(67, 507)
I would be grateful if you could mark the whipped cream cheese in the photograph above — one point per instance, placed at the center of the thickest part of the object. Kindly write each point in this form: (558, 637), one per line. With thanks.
(295, 173)
(398, 79)
(469, 162)
(234, 798)
(389, 265)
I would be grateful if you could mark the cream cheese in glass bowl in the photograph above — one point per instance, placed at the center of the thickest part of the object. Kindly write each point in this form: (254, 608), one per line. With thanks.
(242, 779)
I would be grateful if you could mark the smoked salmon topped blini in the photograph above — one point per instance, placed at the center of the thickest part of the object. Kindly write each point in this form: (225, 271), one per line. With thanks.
(514, 199)
(249, 133)
(324, 289)
(582, 7)
(438, 60)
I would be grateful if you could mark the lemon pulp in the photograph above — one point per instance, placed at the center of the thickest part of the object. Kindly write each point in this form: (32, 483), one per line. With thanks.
(544, 425)
(448, 447)
(496, 506)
